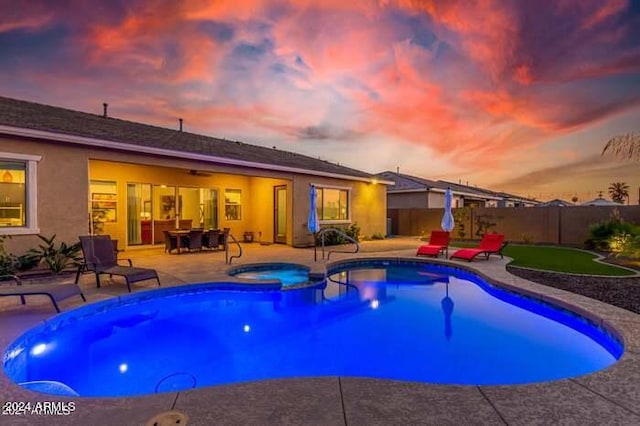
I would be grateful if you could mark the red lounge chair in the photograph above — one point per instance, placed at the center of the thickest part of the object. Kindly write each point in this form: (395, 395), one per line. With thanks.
(490, 244)
(438, 243)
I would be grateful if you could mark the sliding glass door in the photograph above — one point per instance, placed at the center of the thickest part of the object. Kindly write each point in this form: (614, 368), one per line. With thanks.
(209, 205)
(138, 213)
(154, 208)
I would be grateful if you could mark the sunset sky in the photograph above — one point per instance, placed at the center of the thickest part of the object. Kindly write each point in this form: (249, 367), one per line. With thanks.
(517, 96)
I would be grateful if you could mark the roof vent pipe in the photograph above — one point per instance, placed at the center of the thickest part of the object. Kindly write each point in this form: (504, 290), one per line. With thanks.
(180, 119)
(104, 112)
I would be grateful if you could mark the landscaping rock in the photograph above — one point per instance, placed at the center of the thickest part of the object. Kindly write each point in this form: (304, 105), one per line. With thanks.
(623, 292)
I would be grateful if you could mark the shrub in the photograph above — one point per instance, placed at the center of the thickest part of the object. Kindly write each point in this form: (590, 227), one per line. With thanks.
(460, 216)
(601, 235)
(526, 238)
(7, 260)
(631, 248)
(55, 258)
(333, 238)
(377, 236)
(10, 263)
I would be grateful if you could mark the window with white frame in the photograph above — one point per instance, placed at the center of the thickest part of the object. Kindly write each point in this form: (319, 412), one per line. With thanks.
(18, 193)
(233, 204)
(332, 204)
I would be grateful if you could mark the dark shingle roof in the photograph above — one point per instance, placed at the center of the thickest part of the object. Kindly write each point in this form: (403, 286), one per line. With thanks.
(475, 189)
(30, 115)
(407, 182)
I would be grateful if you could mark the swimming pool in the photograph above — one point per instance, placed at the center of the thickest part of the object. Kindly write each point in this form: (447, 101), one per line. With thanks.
(384, 319)
(289, 274)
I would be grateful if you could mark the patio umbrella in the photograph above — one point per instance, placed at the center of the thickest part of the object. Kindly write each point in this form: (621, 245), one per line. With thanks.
(313, 224)
(447, 223)
(447, 308)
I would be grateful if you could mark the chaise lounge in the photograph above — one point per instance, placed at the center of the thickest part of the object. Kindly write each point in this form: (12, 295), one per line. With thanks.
(490, 244)
(100, 258)
(55, 292)
(438, 243)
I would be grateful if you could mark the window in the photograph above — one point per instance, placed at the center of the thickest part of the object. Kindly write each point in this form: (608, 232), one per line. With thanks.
(18, 214)
(332, 204)
(233, 204)
(104, 201)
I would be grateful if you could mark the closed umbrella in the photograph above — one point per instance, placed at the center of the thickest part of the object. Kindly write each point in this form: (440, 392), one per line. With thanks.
(313, 224)
(447, 223)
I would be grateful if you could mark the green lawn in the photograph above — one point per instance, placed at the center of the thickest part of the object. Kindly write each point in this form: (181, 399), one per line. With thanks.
(558, 259)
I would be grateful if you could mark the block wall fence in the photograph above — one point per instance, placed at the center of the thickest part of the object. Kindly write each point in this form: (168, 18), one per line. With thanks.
(537, 225)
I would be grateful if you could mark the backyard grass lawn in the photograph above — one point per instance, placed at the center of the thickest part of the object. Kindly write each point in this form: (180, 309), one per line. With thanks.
(560, 259)
(557, 259)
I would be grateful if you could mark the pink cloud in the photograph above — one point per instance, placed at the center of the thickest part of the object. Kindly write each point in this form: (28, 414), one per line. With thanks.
(469, 80)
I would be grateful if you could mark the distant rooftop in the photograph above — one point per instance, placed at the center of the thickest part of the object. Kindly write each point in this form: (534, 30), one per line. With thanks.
(29, 115)
(408, 183)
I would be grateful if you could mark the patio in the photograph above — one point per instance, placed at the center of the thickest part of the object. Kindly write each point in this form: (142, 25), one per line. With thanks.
(611, 396)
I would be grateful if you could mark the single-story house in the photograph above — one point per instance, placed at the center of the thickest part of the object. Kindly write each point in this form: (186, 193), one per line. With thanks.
(599, 201)
(412, 192)
(494, 198)
(72, 173)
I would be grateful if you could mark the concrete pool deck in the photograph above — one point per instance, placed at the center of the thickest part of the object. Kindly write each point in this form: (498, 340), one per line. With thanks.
(611, 396)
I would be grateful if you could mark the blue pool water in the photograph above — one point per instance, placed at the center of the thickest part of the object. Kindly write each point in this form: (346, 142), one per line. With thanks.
(289, 274)
(287, 277)
(424, 323)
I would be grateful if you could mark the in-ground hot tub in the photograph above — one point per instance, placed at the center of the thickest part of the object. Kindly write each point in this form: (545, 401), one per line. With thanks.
(289, 274)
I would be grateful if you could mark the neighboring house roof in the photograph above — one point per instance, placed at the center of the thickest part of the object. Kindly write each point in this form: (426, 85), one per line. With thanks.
(406, 183)
(489, 193)
(49, 122)
(600, 202)
(556, 202)
(479, 193)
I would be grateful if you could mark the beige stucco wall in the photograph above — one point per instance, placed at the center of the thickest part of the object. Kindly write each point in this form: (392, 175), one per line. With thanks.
(262, 202)
(63, 192)
(419, 200)
(367, 203)
(61, 171)
(408, 200)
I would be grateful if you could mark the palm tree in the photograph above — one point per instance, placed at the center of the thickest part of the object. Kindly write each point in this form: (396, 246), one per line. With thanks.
(619, 191)
(625, 146)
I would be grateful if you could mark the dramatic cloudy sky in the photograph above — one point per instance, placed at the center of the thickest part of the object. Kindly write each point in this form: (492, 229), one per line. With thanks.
(514, 95)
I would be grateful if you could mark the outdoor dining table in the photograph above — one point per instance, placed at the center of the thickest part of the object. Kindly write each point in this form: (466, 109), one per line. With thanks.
(178, 234)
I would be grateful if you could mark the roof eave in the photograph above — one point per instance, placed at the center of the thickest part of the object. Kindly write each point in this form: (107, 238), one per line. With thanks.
(102, 143)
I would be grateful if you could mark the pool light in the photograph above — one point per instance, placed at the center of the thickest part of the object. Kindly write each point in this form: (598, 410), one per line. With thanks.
(375, 303)
(246, 328)
(39, 349)
(123, 367)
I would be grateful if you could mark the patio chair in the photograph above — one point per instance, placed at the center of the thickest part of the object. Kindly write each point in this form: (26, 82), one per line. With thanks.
(490, 244)
(55, 292)
(211, 239)
(100, 258)
(194, 239)
(438, 243)
(170, 242)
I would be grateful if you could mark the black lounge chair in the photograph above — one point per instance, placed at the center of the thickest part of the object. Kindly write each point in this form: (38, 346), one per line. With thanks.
(55, 292)
(100, 258)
